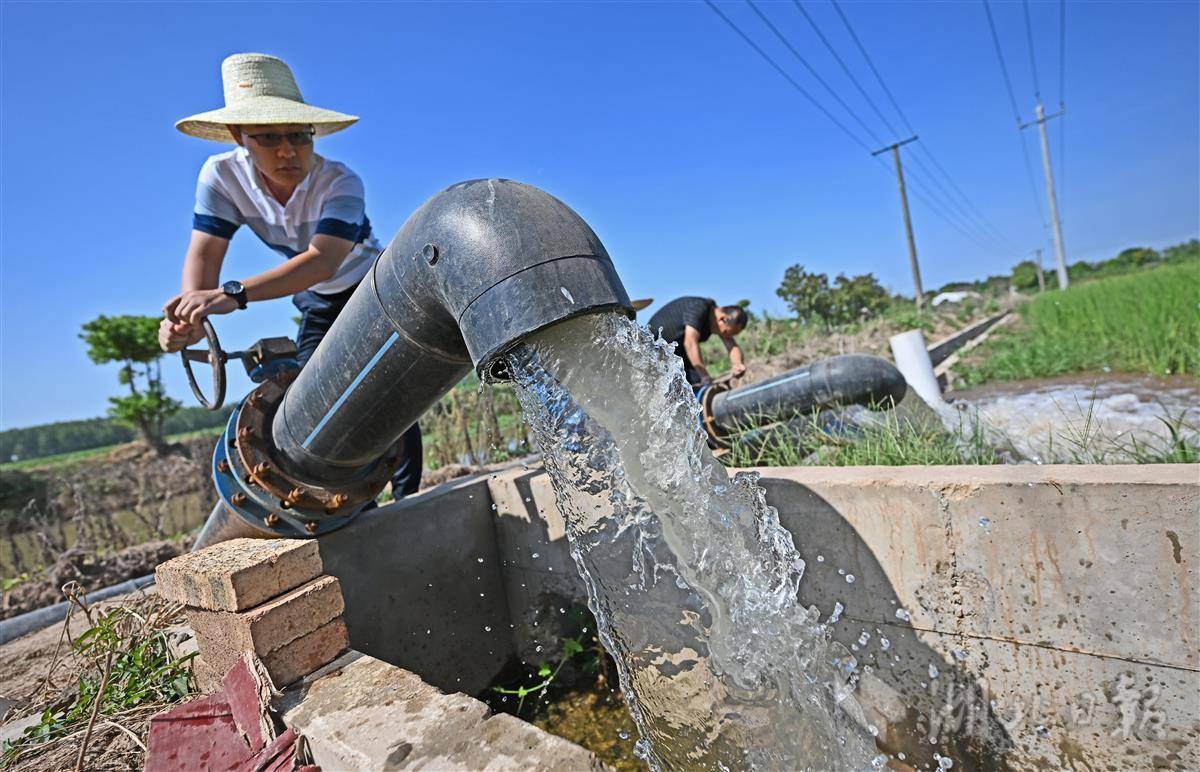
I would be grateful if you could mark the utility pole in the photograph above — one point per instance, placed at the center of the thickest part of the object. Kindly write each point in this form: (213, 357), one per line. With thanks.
(1041, 276)
(1059, 251)
(912, 245)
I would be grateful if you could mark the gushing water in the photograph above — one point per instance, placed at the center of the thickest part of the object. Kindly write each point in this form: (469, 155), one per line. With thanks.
(691, 576)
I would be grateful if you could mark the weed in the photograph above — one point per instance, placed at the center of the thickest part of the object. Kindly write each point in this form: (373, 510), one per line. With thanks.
(570, 647)
(126, 669)
(891, 440)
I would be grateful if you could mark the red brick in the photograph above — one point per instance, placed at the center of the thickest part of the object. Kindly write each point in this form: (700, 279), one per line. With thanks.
(238, 574)
(287, 663)
(274, 624)
(304, 655)
(208, 679)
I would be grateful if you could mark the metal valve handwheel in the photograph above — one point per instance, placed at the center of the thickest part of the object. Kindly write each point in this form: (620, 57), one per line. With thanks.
(216, 359)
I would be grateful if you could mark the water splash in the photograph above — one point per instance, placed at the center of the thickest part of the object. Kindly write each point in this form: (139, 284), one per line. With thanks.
(690, 574)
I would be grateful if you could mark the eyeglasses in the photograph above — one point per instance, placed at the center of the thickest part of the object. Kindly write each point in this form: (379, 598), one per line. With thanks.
(294, 138)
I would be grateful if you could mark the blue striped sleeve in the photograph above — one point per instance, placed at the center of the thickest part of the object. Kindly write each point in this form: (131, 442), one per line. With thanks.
(214, 213)
(215, 226)
(329, 226)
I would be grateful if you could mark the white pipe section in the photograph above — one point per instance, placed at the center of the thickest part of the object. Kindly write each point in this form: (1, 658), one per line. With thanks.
(912, 360)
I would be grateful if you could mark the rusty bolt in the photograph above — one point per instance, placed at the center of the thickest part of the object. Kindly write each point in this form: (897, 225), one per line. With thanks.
(261, 468)
(254, 399)
(238, 499)
(339, 500)
(311, 526)
(272, 520)
(251, 480)
(296, 493)
(245, 433)
(223, 466)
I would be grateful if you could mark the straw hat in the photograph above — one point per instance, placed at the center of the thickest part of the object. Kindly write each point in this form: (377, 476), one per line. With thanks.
(260, 89)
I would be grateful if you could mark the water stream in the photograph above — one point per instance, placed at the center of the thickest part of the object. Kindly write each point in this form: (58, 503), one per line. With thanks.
(690, 575)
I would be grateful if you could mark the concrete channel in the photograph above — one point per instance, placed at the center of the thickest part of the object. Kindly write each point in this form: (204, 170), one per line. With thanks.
(1022, 617)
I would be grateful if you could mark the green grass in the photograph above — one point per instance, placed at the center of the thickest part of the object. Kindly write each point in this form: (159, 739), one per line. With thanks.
(1147, 322)
(895, 441)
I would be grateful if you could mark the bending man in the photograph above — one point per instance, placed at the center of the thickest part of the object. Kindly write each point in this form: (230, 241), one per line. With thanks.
(689, 321)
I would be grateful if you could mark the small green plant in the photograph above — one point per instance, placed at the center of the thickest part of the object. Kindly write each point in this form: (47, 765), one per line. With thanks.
(570, 647)
(126, 666)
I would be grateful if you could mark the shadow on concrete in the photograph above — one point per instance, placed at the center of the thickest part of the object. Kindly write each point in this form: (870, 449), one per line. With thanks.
(915, 692)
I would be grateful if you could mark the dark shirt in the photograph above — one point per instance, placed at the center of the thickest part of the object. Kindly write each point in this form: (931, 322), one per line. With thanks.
(681, 313)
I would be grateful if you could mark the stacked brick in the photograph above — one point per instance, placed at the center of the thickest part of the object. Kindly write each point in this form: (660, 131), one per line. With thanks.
(265, 596)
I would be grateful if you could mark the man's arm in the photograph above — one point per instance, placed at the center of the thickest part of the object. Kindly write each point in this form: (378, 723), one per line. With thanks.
(735, 356)
(314, 265)
(201, 271)
(691, 347)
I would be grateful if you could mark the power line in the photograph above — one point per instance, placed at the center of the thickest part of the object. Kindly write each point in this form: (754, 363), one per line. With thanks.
(813, 72)
(863, 50)
(787, 77)
(1062, 100)
(1016, 113)
(775, 65)
(986, 224)
(849, 74)
(948, 201)
(1012, 99)
(1037, 90)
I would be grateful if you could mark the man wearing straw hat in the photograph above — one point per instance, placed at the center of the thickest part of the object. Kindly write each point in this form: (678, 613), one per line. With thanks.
(307, 208)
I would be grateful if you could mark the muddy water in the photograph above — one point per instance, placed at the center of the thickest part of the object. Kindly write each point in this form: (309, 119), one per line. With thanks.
(1088, 418)
(690, 575)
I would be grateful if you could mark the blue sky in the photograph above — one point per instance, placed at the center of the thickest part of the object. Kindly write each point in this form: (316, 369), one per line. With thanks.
(699, 167)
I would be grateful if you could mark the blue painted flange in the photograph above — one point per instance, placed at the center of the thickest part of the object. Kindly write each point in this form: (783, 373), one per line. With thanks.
(258, 508)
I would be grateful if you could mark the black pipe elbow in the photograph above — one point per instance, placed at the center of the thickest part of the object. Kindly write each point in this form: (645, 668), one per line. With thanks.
(477, 268)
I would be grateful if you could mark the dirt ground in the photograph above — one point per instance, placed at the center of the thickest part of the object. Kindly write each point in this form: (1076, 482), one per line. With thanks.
(39, 669)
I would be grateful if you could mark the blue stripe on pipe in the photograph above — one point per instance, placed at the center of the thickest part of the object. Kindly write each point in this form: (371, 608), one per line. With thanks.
(353, 385)
(739, 394)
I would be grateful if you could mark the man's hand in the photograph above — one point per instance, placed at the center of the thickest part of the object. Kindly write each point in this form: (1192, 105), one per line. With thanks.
(737, 370)
(173, 336)
(191, 307)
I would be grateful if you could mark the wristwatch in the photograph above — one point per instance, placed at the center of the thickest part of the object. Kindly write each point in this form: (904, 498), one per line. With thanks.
(235, 290)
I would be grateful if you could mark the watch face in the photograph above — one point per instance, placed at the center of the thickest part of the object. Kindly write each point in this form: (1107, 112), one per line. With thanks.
(233, 288)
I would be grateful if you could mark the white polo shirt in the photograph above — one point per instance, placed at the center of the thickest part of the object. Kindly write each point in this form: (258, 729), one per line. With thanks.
(329, 200)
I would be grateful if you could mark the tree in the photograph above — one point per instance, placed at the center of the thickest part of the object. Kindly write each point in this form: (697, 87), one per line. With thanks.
(807, 294)
(1136, 257)
(1024, 275)
(854, 298)
(133, 341)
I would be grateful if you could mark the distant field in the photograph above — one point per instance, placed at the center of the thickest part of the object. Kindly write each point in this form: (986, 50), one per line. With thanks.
(1146, 322)
(63, 460)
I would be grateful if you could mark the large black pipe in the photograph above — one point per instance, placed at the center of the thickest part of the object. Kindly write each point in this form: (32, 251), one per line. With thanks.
(850, 379)
(477, 268)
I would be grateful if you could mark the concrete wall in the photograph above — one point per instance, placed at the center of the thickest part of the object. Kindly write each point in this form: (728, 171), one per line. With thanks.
(1055, 604)
(424, 587)
(1065, 594)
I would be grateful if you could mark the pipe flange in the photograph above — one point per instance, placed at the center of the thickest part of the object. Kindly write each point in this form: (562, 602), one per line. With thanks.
(262, 471)
(706, 395)
(252, 484)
